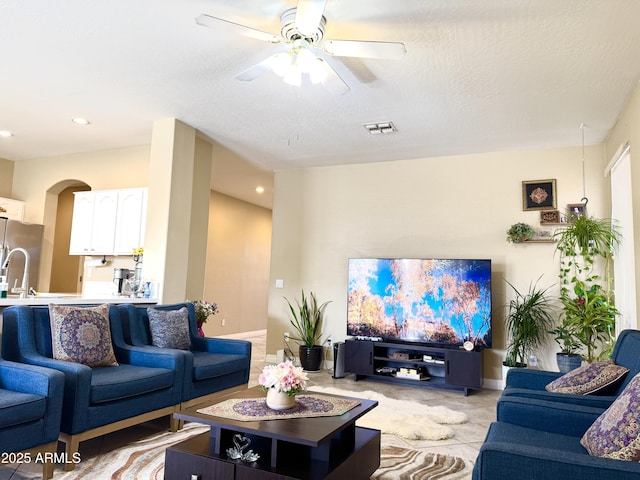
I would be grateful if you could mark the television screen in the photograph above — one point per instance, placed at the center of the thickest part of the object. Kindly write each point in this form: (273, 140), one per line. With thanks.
(430, 301)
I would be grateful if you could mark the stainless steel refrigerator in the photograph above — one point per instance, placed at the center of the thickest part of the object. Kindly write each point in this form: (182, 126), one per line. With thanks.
(14, 234)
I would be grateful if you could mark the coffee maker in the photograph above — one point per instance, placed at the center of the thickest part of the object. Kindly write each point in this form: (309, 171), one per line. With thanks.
(120, 276)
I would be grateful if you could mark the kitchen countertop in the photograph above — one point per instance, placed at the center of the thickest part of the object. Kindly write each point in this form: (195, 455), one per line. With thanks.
(70, 299)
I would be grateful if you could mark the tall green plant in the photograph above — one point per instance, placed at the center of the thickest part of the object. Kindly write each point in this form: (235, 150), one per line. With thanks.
(527, 323)
(586, 246)
(307, 319)
(590, 316)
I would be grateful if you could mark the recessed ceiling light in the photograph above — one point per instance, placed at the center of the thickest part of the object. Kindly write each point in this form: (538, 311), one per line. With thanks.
(5, 133)
(381, 127)
(80, 121)
(260, 189)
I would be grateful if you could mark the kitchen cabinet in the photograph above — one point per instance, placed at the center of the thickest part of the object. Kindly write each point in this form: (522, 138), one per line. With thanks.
(130, 220)
(12, 209)
(108, 222)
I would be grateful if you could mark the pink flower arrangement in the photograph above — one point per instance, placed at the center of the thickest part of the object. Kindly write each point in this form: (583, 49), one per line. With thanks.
(284, 377)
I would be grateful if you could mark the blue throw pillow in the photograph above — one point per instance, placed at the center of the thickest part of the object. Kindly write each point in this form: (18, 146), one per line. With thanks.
(169, 328)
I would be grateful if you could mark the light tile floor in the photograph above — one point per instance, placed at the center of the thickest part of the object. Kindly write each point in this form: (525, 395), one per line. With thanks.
(479, 405)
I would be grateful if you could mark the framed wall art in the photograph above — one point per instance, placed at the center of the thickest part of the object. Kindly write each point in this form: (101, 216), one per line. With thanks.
(549, 217)
(539, 195)
(577, 209)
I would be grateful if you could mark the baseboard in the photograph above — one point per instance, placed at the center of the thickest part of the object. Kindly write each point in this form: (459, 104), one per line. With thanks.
(279, 357)
(243, 335)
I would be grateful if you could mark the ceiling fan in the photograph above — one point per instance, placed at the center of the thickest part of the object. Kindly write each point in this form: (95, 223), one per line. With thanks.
(305, 49)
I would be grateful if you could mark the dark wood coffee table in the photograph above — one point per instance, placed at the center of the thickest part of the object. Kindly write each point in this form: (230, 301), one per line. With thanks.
(297, 448)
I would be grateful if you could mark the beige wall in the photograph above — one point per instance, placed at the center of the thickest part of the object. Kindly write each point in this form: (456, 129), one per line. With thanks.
(454, 207)
(6, 177)
(237, 273)
(627, 130)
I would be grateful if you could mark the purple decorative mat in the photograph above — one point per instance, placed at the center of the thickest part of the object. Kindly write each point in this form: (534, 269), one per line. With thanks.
(250, 409)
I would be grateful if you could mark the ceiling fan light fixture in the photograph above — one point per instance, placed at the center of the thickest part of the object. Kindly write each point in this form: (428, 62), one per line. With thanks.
(293, 76)
(305, 60)
(281, 63)
(318, 72)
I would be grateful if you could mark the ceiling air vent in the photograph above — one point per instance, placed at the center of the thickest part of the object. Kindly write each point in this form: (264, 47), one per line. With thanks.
(380, 128)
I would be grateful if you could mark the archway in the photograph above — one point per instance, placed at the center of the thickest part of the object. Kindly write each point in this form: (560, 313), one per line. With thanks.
(59, 271)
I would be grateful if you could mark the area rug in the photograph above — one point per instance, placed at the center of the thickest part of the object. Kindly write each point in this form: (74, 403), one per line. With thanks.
(397, 463)
(144, 460)
(406, 419)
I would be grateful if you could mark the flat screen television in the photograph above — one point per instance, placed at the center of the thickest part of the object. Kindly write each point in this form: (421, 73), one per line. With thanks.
(443, 302)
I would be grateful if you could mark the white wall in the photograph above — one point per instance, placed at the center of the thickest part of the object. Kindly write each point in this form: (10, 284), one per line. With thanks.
(453, 207)
(627, 130)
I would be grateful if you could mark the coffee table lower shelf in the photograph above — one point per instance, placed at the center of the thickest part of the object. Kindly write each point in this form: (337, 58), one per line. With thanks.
(194, 459)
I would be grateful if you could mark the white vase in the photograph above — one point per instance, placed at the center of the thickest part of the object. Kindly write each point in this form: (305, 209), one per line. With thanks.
(279, 400)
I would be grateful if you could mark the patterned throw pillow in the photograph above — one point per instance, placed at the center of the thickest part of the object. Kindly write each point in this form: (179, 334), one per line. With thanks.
(589, 378)
(615, 433)
(169, 328)
(82, 335)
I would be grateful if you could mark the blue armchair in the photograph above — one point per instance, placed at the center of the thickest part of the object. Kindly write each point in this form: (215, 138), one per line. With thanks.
(526, 383)
(30, 409)
(97, 400)
(213, 366)
(544, 444)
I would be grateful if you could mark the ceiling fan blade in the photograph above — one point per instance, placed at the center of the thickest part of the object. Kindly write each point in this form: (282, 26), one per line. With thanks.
(257, 70)
(215, 22)
(308, 15)
(333, 82)
(364, 49)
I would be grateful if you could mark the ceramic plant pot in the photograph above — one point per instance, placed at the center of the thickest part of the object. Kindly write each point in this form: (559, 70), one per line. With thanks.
(279, 400)
(311, 357)
(568, 362)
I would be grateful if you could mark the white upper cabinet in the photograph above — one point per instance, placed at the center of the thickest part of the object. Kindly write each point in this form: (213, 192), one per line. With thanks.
(108, 222)
(130, 220)
(12, 209)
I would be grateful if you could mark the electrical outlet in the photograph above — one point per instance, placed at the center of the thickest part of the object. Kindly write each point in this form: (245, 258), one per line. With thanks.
(329, 342)
(286, 336)
(223, 321)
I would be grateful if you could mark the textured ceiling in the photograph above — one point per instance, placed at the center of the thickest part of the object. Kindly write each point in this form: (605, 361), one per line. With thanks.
(478, 76)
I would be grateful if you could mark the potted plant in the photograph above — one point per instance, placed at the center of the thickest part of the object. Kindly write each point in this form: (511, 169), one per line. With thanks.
(586, 246)
(203, 311)
(568, 357)
(590, 315)
(282, 383)
(520, 232)
(527, 322)
(307, 322)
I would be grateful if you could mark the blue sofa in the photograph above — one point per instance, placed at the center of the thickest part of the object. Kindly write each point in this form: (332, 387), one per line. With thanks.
(100, 400)
(213, 366)
(30, 410)
(527, 383)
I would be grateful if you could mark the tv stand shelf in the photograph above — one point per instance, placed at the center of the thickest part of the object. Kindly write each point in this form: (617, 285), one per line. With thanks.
(452, 368)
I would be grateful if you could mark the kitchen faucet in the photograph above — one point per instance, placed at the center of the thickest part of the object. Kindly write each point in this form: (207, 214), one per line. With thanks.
(24, 288)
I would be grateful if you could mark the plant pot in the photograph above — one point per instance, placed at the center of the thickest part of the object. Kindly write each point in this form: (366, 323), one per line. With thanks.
(505, 371)
(311, 357)
(567, 362)
(279, 400)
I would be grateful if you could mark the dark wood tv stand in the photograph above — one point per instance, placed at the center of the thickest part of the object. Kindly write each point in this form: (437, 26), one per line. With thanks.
(453, 368)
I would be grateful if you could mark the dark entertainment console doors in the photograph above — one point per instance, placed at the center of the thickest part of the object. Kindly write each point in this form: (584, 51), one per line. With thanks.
(421, 365)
